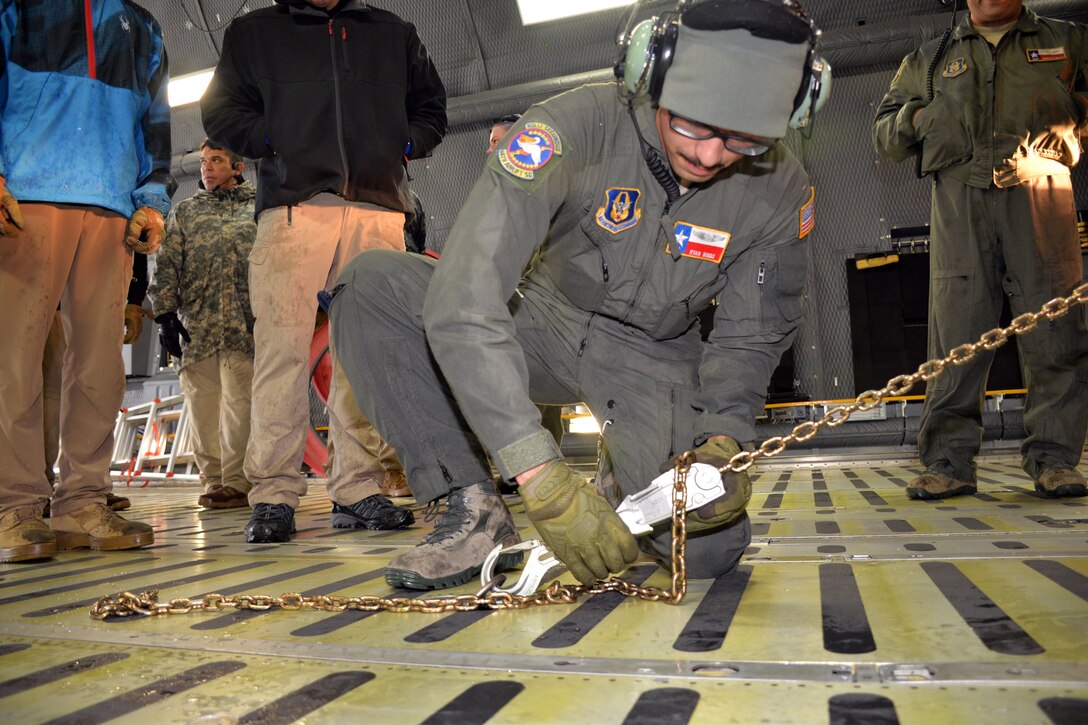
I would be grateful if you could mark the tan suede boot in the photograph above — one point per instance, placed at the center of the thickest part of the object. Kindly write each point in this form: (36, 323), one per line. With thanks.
(98, 527)
(24, 536)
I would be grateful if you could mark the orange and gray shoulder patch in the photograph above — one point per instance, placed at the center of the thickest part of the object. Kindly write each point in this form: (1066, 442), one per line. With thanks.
(807, 215)
(954, 67)
(1045, 55)
(530, 150)
(620, 211)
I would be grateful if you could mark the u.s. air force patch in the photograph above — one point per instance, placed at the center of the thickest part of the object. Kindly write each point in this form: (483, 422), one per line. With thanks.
(620, 210)
(955, 67)
(529, 150)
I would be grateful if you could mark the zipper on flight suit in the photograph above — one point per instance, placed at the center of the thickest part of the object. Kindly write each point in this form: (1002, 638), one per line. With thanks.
(762, 273)
(336, 97)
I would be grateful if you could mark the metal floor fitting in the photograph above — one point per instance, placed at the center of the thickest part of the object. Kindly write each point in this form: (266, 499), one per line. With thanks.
(853, 605)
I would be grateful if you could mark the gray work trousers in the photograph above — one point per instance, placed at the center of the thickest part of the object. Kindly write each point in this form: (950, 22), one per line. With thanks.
(640, 389)
(1021, 242)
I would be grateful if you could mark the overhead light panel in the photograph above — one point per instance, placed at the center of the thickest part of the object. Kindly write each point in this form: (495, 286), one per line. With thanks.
(536, 11)
(188, 88)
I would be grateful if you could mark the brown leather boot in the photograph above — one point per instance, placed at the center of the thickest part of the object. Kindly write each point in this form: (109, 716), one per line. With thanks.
(395, 485)
(98, 527)
(24, 536)
(1056, 482)
(934, 485)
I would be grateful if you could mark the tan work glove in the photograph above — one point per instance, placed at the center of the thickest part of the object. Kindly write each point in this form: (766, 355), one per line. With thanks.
(738, 487)
(11, 218)
(134, 322)
(145, 230)
(577, 523)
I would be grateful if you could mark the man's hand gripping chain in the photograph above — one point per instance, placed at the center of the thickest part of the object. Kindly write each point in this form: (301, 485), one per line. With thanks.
(640, 511)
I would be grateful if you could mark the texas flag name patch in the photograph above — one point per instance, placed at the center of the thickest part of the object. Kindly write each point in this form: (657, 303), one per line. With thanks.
(701, 242)
(1045, 55)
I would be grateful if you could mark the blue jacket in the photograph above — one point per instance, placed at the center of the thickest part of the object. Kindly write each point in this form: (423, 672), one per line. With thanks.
(75, 131)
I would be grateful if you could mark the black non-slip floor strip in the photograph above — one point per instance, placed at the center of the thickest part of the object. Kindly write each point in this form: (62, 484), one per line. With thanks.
(7, 649)
(830, 528)
(21, 568)
(576, 625)
(706, 629)
(133, 700)
(59, 672)
(477, 704)
(972, 524)
(663, 706)
(861, 709)
(78, 572)
(1063, 576)
(873, 498)
(845, 623)
(822, 499)
(988, 621)
(61, 608)
(295, 705)
(1065, 710)
(102, 582)
(899, 526)
(340, 585)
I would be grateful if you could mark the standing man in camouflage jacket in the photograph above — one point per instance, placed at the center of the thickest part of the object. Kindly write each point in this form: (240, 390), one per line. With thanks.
(200, 292)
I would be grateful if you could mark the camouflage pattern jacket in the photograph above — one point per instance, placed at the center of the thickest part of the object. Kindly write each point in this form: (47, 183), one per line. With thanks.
(202, 271)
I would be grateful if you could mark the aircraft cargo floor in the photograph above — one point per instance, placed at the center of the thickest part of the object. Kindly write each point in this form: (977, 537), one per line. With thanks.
(853, 605)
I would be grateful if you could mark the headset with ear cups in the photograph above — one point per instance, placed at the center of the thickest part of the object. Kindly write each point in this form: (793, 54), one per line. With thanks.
(646, 52)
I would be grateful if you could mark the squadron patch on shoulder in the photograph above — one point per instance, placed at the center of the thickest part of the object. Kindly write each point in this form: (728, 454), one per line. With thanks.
(701, 242)
(620, 210)
(954, 67)
(1045, 55)
(530, 150)
(807, 215)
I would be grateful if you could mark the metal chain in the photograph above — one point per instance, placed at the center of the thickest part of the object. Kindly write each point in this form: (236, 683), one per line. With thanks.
(900, 384)
(147, 604)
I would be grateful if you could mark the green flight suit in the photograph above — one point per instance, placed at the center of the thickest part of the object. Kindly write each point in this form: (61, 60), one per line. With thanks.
(607, 315)
(999, 137)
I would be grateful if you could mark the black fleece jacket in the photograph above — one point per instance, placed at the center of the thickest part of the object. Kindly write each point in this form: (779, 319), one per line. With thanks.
(326, 101)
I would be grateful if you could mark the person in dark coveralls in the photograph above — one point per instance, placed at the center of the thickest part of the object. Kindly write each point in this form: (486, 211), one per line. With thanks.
(449, 361)
(999, 137)
(331, 97)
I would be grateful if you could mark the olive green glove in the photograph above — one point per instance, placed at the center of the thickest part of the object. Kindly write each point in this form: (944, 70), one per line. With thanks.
(11, 217)
(577, 523)
(145, 230)
(134, 322)
(738, 487)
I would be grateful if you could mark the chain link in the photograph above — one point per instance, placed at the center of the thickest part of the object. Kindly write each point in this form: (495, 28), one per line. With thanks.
(147, 603)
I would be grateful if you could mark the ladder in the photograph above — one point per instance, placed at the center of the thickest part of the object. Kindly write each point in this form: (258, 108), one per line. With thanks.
(152, 442)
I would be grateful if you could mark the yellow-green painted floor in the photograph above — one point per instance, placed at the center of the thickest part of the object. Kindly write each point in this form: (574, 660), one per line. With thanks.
(853, 605)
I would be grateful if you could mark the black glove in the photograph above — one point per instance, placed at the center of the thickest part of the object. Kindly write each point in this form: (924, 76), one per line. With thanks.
(171, 333)
(738, 487)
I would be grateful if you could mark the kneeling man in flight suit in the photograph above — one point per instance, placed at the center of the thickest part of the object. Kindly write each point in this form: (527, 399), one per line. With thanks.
(647, 199)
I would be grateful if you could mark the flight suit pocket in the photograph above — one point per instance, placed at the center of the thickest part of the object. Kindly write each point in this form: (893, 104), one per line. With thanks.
(945, 141)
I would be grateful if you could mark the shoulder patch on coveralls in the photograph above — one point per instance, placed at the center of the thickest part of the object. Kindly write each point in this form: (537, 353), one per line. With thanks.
(530, 150)
(807, 215)
(620, 210)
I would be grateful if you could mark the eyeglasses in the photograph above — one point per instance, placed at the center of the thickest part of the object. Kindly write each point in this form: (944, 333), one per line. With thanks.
(744, 145)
